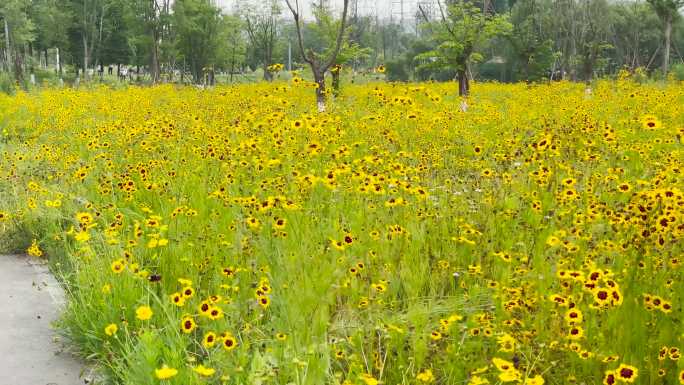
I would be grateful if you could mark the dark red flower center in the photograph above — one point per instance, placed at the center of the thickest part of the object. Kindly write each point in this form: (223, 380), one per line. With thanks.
(626, 373)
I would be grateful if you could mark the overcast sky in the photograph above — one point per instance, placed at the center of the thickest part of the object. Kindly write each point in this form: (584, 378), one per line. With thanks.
(381, 8)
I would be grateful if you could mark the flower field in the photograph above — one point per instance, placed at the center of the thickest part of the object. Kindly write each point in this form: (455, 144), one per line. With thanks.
(234, 236)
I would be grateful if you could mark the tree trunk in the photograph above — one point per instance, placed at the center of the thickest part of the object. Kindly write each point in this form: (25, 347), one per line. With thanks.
(8, 47)
(463, 86)
(28, 64)
(232, 63)
(573, 54)
(384, 46)
(588, 69)
(526, 67)
(18, 68)
(319, 78)
(668, 38)
(268, 76)
(155, 70)
(154, 65)
(336, 81)
(463, 83)
(86, 57)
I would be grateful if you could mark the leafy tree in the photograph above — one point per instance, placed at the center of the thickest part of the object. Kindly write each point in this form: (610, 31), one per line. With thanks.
(320, 61)
(19, 30)
(325, 29)
(635, 34)
(461, 35)
(364, 31)
(360, 32)
(197, 25)
(594, 35)
(668, 12)
(115, 45)
(389, 42)
(91, 18)
(581, 33)
(454, 38)
(350, 52)
(232, 44)
(52, 21)
(148, 20)
(262, 29)
(531, 47)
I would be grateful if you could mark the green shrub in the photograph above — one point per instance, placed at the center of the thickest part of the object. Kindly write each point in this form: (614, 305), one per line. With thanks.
(396, 71)
(7, 83)
(678, 71)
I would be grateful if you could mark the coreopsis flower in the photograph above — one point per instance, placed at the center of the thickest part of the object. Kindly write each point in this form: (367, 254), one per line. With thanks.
(204, 371)
(165, 372)
(143, 313)
(34, 250)
(626, 373)
(111, 329)
(426, 376)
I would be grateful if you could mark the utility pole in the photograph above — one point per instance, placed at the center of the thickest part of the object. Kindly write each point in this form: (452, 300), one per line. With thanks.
(58, 66)
(289, 55)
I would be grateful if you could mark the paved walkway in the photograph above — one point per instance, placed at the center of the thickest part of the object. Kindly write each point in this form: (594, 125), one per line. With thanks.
(30, 299)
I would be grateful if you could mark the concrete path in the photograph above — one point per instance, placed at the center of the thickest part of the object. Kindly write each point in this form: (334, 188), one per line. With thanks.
(30, 299)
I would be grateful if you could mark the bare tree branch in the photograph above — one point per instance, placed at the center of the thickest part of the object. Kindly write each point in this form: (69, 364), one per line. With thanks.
(423, 13)
(340, 36)
(444, 19)
(300, 39)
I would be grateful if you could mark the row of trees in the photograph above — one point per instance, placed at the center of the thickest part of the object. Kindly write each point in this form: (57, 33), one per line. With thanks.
(503, 39)
(535, 39)
(159, 35)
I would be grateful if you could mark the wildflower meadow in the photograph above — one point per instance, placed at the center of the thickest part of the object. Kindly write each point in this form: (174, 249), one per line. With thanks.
(234, 235)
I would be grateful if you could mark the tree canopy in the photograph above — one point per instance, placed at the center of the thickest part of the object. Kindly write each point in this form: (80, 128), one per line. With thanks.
(161, 40)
